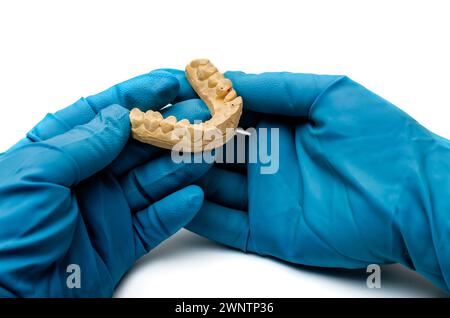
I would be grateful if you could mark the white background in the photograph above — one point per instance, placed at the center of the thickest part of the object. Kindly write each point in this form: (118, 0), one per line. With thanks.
(53, 52)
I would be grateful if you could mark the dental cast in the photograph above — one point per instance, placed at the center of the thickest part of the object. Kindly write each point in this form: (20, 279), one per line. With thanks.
(218, 94)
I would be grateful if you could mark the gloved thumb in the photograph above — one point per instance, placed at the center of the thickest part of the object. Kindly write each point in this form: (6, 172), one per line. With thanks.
(281, 93)
(165, 217)
(86, 149)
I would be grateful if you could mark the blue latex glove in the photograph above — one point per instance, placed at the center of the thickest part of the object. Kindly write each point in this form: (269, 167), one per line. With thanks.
(76, 191)
(359, 181)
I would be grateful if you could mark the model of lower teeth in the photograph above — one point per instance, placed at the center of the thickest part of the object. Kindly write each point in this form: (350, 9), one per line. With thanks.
(179, 134)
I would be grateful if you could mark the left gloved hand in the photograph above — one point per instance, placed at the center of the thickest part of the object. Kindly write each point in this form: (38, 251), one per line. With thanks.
(70, 204)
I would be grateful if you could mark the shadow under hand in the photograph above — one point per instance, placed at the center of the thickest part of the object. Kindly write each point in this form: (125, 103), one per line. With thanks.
(396, 280)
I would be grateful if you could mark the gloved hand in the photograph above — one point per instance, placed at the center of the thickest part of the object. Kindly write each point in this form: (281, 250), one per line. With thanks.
(359, 181)
(80, 203)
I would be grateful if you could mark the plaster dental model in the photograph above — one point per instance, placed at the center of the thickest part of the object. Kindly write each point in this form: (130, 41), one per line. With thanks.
(218, 94)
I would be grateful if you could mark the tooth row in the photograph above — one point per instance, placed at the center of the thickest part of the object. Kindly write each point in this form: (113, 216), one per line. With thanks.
(152, 120)
(220, 97)
(151, 128)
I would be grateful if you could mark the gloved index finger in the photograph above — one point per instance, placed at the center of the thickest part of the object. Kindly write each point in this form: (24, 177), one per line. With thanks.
(149, 91)
(282, 93)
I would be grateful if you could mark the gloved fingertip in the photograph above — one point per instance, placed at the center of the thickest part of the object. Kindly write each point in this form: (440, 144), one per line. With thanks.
(171, 83)
(165, 217)
(185, 90)
(221, 224)
(148, 91)
(189, 201)
(195, 197)
(165, 86)
(234, 74)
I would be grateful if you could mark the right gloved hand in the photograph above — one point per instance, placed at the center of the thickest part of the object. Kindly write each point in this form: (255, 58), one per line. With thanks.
(359, 181)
